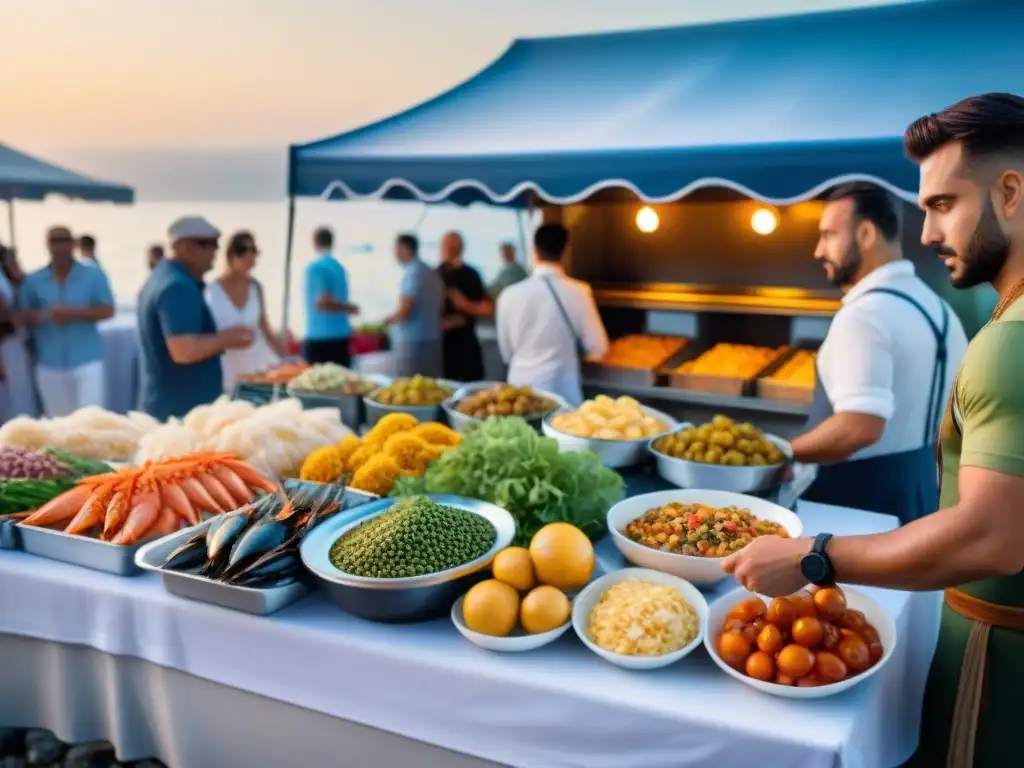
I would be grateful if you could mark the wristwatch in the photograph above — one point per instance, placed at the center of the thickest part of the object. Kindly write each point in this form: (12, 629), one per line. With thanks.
(816, 565)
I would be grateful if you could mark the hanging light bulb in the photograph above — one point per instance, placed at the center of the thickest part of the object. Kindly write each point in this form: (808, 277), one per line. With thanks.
(764, 221)
(646, 219)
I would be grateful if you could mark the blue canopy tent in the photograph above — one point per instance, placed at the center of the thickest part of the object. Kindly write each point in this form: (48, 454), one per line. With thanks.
(774, 109)
(23, 177)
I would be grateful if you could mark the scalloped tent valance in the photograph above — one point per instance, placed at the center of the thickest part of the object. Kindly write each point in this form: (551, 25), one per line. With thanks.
(777, 109)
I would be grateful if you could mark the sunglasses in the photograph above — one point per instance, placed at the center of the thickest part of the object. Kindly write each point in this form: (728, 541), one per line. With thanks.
(208, 243)
(58, 240)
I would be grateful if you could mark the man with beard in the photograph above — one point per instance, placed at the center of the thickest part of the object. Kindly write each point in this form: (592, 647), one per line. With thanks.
(885, 368)
(972, 191)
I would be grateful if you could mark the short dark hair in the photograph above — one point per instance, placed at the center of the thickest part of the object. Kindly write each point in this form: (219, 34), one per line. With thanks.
(550, 241)
(88, 241)
(323, 238)
(985, 125)
(870, 203)
(409, 241)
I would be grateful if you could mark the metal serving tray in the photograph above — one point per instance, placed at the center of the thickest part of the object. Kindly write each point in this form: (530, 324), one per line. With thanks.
(261, 602)
(352, 407)
(719, 385)
(614, 375)
(784, 391)
(117, 559)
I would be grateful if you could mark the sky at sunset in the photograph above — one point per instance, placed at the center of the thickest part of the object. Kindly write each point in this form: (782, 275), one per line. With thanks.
(122, 75)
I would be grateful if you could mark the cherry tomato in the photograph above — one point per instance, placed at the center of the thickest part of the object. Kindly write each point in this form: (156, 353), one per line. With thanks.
(803, 604)
(770, 640)
(809, 681)
(854, 651)
(734, 624)
(748, 610)
(750, 632)
(875, 649)
(830, 636)
(807, 632)
(784, 679)
(795, 660)
(760, 666)
(693, 521)
(730, 526)
(854, 620)
(734, 649)
(828, 667)
(830, 603)
(780, 612)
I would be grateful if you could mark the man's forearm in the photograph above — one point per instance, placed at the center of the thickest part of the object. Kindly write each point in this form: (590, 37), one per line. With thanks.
(837, 438)
(934, 552)
(87, 314)
(330, 304)
(194, 348)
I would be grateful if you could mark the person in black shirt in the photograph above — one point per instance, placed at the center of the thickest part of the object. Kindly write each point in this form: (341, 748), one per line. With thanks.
(466, 301)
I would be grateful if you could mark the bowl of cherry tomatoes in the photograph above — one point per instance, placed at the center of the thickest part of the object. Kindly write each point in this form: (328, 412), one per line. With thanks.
(810, 645)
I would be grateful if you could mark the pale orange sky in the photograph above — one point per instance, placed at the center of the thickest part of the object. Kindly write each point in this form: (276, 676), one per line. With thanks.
(227, 73)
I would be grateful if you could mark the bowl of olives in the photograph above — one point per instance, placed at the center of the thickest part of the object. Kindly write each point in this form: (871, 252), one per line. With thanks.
(721, 455)
(418, 396)
(476, 402)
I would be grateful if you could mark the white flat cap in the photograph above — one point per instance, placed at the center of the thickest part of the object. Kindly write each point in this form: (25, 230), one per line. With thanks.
(191, 227)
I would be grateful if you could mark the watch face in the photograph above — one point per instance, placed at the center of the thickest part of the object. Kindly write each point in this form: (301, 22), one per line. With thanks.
(814, 568)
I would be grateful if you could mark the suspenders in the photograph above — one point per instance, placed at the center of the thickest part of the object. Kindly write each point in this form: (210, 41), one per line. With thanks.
(933, 415)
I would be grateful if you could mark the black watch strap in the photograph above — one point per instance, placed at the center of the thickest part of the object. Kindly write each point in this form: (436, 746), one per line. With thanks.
(816, 565)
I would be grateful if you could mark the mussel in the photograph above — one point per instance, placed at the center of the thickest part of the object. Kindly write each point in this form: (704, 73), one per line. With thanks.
(261, 538)
(189, 555)
(271, 566)
(220, 541)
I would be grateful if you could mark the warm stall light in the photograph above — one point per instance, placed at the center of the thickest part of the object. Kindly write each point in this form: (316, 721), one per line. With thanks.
(764, 221)
(646, 219)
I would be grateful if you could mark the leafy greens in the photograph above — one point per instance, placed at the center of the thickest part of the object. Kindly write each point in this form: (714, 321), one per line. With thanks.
(504, 461)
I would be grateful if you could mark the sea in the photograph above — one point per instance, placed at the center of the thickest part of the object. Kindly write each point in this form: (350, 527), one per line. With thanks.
(364, 237)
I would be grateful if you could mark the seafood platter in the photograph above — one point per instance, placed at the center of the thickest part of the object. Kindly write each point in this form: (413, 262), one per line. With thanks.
(102, 521)
(248, 558)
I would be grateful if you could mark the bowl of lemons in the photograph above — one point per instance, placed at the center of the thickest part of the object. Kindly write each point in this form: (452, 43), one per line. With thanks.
(527, 603)
(722, 455)
(616, 429)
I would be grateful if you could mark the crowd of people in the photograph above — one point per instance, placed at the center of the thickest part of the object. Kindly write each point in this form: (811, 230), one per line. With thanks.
(197, 338)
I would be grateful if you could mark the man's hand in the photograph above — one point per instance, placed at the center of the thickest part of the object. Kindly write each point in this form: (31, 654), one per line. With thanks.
(60, 315)
(31, 317)
(770, 565)
(458, 300)
(236, 337)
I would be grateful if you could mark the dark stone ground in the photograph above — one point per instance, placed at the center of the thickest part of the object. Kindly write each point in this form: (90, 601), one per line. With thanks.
(38, 748)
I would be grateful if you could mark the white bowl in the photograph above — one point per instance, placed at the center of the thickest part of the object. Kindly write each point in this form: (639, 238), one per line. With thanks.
(518, 641)
(703, 571)
(613, 453)
(587, 599)
(873, 612)
(696, 474)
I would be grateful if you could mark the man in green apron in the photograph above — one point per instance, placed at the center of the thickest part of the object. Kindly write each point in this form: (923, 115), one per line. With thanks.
(972, 191)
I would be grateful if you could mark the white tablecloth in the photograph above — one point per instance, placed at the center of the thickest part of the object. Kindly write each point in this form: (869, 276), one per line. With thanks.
(120, 337)
(559, 706)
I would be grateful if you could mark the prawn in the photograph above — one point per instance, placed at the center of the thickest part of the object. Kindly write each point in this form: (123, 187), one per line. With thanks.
(60, 509)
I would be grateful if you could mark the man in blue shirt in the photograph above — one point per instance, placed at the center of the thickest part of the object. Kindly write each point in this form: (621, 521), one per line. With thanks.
(328, 330)
(416, 325)
(62, 303)
(180, 345)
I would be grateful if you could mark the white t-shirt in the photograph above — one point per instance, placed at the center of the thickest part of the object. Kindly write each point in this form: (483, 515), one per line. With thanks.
(879, 356)
(534, 338)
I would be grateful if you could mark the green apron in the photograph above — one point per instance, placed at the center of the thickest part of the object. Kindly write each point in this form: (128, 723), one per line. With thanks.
(992, 373)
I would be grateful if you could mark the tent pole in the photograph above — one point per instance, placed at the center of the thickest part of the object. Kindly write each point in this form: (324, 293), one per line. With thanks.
(289, 238)
(521, 226)
(10, 222)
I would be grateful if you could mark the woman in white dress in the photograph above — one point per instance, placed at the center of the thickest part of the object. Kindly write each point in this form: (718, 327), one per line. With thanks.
(236, 298)
(17, 397)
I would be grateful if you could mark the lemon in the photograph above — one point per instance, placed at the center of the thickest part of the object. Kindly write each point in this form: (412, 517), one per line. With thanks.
(491, 608)
(543, 609)
(562, 556)
(514, 566)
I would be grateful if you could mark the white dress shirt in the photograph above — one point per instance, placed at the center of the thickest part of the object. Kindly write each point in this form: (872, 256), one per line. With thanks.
(879, 356)
(534, 338)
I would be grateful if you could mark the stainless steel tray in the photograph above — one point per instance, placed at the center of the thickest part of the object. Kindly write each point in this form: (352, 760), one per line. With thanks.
(261, 602)
(784, 391)
(352, 408)
(80, 550)
(600, 373)
(733, 386)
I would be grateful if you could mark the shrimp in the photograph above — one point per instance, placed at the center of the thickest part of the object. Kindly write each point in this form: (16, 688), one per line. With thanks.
(142, 516)
(233, 483)
(177, 500)
(93, 510)
(60, 509)
(199, 496)
(117, 513)
(217, 490)
(249, 476)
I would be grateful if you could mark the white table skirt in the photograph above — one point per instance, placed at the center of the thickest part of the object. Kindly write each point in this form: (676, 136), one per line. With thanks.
(559, 706)
(120, 337)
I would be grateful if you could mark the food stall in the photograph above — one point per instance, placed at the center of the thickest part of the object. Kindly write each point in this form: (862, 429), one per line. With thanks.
(220, 632)
(687, 163)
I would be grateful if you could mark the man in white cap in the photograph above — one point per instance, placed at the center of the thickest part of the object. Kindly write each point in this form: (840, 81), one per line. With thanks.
(180, 345)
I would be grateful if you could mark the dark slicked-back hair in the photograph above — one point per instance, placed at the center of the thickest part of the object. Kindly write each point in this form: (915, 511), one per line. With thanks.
(986, 125)
(409, 241)
(870, 203)
(550, 240)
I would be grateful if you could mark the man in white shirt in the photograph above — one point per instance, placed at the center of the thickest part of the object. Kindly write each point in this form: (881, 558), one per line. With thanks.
(547, 321)
(885, 369)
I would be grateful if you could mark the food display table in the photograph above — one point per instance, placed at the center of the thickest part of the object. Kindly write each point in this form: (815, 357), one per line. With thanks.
(89, 655)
